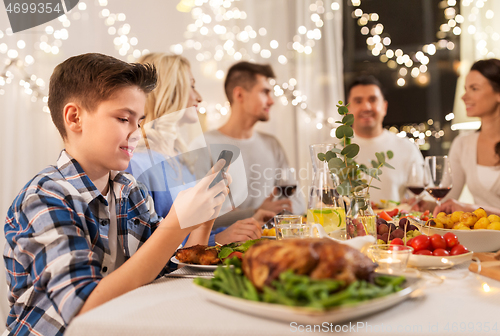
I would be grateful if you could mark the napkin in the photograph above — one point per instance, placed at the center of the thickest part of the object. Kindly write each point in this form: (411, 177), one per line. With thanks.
(359, 243)
(488, 264)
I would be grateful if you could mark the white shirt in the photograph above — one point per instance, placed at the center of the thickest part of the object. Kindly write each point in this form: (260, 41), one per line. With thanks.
(465, 170)
(393, 181)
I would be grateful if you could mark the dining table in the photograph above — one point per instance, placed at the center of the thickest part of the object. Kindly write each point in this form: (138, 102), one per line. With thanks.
(451, 301)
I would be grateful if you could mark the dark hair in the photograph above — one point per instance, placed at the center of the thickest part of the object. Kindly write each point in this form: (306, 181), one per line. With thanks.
(91, 78)
(365, 80)
(490, 68)
(244, 74)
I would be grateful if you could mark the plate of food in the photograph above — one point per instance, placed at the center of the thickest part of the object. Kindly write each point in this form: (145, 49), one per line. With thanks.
(198, 266)
(269, 233)
(207, 258)
(475, 230)
(302, 284)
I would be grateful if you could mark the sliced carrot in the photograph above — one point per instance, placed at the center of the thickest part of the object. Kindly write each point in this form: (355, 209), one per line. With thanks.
(384, 215)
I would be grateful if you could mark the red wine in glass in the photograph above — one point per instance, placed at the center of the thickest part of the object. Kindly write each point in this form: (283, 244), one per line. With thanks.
(438, 193)
(416, 189)
(286, 190)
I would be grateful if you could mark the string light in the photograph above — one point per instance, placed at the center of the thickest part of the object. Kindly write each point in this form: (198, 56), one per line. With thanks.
(378, 43)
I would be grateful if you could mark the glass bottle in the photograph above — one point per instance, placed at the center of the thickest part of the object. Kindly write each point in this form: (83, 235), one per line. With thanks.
(326, 206)
(361, 219)
(314, 150)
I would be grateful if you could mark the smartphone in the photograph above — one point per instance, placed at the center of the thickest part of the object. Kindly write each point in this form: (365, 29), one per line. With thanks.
(226, 155)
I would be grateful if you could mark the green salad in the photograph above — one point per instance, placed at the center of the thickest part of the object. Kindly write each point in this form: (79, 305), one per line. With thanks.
(299, 290)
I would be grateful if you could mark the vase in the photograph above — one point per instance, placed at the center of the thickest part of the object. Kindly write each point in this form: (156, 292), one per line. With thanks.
(361, 219)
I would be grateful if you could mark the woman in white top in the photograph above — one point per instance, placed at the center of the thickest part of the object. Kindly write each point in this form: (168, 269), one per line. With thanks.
(475, 157)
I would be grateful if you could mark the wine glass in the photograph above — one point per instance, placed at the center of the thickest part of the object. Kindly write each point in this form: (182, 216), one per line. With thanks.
(439, 171)
(417, 181)
(285, 183)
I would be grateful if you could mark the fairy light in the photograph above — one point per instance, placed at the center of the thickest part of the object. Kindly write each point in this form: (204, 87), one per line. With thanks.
(378, 45)
(50, 42)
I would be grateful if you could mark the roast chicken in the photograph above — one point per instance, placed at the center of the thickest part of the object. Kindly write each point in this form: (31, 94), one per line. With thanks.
(318, 258)
(198, 254)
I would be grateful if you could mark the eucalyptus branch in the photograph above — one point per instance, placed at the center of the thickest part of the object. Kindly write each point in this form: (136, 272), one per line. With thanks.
(341, 161)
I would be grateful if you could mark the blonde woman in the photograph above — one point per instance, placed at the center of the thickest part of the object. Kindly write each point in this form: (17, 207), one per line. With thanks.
(161, 160)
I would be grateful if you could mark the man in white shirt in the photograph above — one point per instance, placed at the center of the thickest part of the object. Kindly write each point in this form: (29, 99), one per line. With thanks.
(369, 107)
(249, 92)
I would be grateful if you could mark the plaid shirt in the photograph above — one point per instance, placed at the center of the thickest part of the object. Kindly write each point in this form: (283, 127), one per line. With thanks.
(57, 236)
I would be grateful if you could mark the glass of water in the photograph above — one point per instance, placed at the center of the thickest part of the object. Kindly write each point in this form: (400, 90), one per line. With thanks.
(291, 226)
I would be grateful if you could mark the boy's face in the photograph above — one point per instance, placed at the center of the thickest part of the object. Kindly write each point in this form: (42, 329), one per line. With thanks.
(258, 100)
(110, 134)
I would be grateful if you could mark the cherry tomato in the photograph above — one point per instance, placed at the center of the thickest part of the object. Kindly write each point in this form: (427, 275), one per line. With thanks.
(451, 240)
(384, 215)
(393, 212)
(408, 242)
(237, 254)
(440, 252)
(424, 218)
(438, 242)
(422, 242)
(397, 241)
(458, 249)
(423, 252)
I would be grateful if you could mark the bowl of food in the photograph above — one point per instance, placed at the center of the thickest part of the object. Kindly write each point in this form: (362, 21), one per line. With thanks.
(476, 231)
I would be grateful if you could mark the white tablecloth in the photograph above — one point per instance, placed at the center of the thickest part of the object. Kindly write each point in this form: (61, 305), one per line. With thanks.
(455, 304)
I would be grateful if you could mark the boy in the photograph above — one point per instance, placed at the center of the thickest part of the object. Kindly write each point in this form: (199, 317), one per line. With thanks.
(76, 222)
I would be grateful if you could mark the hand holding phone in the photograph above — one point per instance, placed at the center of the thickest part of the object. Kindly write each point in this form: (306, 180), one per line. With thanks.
(226, 155)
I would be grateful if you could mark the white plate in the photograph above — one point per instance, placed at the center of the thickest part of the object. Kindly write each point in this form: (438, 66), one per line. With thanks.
(475, 240)
(438, 262)
(268, 237)
(200, 267)
(305, 315)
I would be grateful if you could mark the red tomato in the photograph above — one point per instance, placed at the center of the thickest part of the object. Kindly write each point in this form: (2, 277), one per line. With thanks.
(237, 254)
(458, 249)
(393, 212)
(440, 252)
(422, 242)
(438, 242)
(424, 218)
(451, 240)
(423, 252)
(384, 215)
(408, 242)
(397, 241)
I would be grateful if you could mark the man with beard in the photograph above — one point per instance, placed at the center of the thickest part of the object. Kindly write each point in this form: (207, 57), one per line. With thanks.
(249, 93)
(369, 107)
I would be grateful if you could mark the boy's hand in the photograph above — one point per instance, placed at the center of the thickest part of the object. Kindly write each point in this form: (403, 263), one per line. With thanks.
(200, 203)
(242, 230)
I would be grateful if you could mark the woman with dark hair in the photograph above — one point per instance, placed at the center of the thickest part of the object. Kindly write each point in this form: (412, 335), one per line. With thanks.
(475, 157)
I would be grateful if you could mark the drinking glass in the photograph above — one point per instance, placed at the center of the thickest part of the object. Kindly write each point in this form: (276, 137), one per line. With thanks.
(439, 171)
(290, 226)
(417, 181)
(390, 258)
(285, 183)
